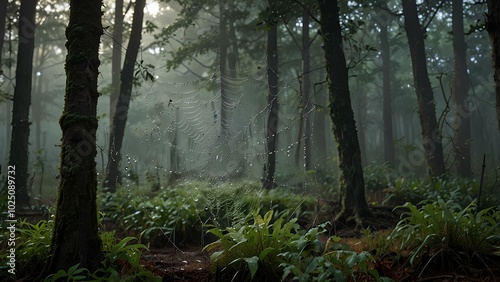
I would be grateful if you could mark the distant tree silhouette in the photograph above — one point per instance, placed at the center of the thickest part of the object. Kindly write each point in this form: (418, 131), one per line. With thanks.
(19, 142)
(120, 117)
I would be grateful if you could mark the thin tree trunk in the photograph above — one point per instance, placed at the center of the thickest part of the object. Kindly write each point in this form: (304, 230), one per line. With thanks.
(224, 84)
(37, 96)
(122, 106)
(431, 134)
(460, 93)
(493, 28)
(116, 62)
(3, 18)
(22, 100)
(306, 86)
(8, 104)
(37, 113)
(272, 100)
(75, 238)
(352, 187)
(387, 102)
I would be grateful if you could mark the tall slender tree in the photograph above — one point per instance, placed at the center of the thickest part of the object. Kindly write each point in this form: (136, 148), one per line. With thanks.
(493, 28)
(3, 18)
(22, 101)
(122, 106)
(75, 238)
(431, 134)
(352, 187)
(272, 99)
(383, 23)
(305, 89)
(460, 93)
(116, 61)
(223, 48)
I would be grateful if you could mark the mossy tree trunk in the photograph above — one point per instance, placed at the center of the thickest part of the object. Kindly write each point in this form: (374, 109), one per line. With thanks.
(122, 106)
(493, 28)
(19, 143)
(431, 134)
(76, 238)
(272, 99)
(352, 187)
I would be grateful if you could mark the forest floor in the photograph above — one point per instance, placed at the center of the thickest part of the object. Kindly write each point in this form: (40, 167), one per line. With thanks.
(192, 264)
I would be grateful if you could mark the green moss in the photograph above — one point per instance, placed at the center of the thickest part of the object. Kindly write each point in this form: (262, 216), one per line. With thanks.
(68, 119)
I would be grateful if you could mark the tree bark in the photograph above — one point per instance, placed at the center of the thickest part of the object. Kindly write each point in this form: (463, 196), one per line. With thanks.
(233, 55)
(122, 106)
(361, 122)
(493, 28)
(116, 58)
(272, 100)
(460, 93)
(320, 128)
(387, 101)
(3, 17)
(75, 238)
(22, 100)
(352, 187)
(224, 83)
(431, 134)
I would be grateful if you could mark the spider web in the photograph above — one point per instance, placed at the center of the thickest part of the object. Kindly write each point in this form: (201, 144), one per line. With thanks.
(182, 132)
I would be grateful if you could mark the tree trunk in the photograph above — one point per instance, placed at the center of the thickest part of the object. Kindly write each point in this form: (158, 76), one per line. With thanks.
(387, 101)
(460, 94)
(361, 121)
(352, 187)
(37, 110)
(116, 62)
(8, 104)
(431, 134)
(22, 99)
(232, 56)
(75, 238)
(3, 17)
(120, 117)
(272, 99)
(320, 128)
(224, 83)
(306, 86)
(493, 28)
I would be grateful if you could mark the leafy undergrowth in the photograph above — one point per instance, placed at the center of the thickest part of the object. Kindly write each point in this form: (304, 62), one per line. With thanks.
(122, 261)
(258, 235)
(436, 242)
(181, 214)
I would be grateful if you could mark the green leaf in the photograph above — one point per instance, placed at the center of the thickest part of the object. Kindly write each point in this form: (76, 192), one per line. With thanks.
(265, 252)
(253, 265)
